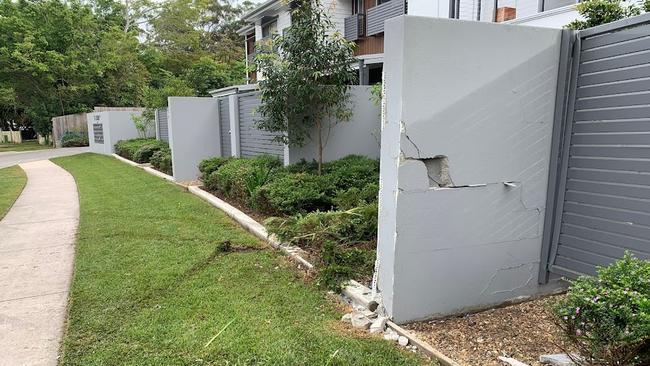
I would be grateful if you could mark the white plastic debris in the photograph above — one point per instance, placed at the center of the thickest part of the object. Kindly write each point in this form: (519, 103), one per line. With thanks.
(403, 341)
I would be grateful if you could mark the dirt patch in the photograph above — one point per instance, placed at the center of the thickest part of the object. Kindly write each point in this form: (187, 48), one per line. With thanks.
(523, 331)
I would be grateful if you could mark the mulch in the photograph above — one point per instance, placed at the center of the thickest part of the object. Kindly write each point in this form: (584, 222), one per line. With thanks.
(523, 331)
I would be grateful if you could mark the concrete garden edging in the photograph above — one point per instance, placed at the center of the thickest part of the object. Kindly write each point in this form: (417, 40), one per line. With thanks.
(355, 291)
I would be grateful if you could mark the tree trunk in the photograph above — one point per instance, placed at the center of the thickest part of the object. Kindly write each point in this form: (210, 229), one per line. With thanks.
(319, 128)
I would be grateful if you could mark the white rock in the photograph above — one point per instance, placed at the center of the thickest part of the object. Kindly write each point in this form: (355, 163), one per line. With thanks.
(360, 321)
(347, 318)
(403, 341)
(378, 325)
(559, 359)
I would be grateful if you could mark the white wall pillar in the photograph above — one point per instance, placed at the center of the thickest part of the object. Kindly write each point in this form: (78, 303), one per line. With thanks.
(233, 103)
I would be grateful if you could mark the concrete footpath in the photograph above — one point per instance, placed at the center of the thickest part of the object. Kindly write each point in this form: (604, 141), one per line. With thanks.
(10, 158)
(36, 260)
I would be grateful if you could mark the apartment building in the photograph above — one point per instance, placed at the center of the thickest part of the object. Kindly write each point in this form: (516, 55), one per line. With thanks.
(362, 21)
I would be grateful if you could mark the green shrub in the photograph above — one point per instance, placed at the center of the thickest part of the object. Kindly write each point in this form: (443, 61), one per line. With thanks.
(296, 193)
(340, 264)
(207, 166)
(144, 153)
(127, 148)
(240, 178)
(354, 196)
(341, 237)
(597, 12)
(74, 139)
(303, 166)
(162, 161)
(352, 171)
(607, 318)
(358, 225)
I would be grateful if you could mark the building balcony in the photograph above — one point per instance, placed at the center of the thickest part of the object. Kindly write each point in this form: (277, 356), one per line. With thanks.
(376, 16)
(353, 28)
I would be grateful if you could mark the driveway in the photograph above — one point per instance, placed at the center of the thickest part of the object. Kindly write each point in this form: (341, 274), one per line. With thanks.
(13, 158)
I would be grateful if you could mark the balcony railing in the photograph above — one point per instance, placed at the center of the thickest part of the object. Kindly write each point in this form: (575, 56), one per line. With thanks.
(353, 27)
(377, 15)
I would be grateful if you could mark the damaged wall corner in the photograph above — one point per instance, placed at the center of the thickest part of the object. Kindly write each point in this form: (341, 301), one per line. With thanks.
(464, 164)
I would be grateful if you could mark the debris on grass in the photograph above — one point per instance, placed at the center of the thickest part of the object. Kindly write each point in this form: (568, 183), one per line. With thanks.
(218, 334)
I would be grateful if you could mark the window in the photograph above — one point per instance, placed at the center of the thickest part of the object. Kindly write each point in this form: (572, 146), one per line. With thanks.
(270, 28)
(357, 7)
(379, 2)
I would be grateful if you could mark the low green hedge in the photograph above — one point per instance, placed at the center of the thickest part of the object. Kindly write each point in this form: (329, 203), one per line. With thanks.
(139, 150)
(162, 160)
(208, 166)
(74, 139)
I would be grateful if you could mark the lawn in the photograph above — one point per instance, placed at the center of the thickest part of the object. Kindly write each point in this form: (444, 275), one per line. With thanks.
(29, 145)
(151, 286)
(12, 182)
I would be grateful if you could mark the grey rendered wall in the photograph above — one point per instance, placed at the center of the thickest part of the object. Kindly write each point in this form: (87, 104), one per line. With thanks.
(476, 241)
(193, 134)
(117, 125)
(360, 135)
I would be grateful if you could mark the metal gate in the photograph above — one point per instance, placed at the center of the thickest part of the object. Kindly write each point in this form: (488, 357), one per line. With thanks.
(253, 141)
(599, 188)
(224, 126)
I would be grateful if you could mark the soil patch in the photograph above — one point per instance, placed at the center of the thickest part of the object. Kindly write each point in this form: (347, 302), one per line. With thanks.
(523, 331)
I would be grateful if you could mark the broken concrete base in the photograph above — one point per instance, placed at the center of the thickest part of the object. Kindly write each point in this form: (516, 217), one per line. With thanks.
(559, 359)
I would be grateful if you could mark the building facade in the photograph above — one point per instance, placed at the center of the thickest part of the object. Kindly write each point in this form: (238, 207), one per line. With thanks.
(362, 21)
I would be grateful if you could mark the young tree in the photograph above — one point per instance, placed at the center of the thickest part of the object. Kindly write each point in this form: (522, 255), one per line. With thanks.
(597, 12)
(305, 86)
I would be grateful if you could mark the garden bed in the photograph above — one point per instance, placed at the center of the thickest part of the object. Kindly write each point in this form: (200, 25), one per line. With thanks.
(331, 216)
(523, 331)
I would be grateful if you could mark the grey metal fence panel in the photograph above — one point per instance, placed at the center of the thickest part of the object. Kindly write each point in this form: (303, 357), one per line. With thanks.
(224, 124)
(163, 127)
(376, 16)
(603, 189)
(253, 141)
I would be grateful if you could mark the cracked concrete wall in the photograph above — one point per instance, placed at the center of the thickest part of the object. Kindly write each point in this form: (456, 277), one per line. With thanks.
(464, 164)
(193, 134)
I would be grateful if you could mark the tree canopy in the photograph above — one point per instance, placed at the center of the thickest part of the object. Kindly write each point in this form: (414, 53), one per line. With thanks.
(67, 56)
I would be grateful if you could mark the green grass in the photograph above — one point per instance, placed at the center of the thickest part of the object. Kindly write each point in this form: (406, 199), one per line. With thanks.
(12, 182)
(150, 288)
(28, 145)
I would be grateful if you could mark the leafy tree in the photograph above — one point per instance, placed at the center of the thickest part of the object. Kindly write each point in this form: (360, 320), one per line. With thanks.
(306, 87)
(207, 74)
(597, 12)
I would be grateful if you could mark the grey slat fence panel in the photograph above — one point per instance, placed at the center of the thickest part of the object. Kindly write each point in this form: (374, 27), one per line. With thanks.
(616, 49)
(615, 75)
(632, 59)
(614, 101)
(612, 38)
(163, 127)
(376, 16)
(253, 141)
(602, 205)
(612, 126)
(628, 86)
(224, 126)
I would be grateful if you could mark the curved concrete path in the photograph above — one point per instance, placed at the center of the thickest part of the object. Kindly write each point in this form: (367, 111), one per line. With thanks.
(10, 158)
(36, 260)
